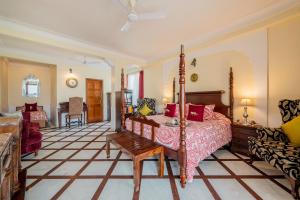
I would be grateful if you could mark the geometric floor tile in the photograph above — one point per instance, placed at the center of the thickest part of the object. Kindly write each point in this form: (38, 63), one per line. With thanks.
(212, 168)
(42, 167)
(267, 189)
(68, 168)
(76, 145)
(123, 168)
(81, 189)
(230, 189)
(224, 154)
(154, 186)
(151, 168)
(241, 168)
(45, 189)
(62, 154)
(194, 191)
(74, 160)
(85, 154)
(117, 190)
(267, 168)
(97, 168)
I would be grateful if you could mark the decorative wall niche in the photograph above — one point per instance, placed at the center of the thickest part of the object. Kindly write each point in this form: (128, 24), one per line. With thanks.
(31, 86)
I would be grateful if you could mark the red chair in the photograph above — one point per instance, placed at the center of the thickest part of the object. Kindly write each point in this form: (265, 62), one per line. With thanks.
(31, 136)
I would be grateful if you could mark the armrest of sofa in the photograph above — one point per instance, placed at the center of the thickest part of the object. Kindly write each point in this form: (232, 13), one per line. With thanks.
(271, 134)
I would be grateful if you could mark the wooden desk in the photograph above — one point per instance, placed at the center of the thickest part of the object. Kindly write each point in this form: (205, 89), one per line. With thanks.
(14, 126)
(64, 108)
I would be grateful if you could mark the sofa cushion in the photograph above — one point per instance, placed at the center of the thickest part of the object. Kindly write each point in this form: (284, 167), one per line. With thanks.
(292, 130)
(145, 110)
(151, 103)
(289, 109)
(30, 107)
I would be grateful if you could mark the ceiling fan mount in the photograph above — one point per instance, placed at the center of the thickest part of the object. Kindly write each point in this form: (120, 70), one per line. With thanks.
(133, 16)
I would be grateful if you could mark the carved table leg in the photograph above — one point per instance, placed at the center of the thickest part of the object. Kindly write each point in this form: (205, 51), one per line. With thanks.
(107, 147)
(136, 174)
(161, 163)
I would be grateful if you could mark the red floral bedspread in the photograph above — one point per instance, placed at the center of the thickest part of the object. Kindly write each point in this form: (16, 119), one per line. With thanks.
(202, 138)
(38, 115)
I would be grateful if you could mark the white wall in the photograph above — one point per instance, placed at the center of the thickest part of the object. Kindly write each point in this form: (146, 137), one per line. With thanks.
(83, 72)
(284, 67)
(247, 54)
(17, 71)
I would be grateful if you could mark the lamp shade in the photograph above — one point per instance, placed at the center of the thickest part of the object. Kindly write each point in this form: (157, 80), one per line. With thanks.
(247, 102)
(165, 100)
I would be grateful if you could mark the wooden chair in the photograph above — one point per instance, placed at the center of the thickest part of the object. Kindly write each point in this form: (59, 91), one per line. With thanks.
(75, 110)
(137, 147)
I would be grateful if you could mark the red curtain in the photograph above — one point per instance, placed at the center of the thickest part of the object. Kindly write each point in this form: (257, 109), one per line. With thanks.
(141, 85)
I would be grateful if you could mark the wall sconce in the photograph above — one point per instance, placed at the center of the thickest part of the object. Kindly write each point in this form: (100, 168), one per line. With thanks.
(194, 62)
(246, 102)
(70, 71)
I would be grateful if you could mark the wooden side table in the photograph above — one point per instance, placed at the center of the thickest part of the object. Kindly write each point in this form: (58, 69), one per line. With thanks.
(240, 134)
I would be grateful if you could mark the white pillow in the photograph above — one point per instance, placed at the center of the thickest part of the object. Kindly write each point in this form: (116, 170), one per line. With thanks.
(13, 114)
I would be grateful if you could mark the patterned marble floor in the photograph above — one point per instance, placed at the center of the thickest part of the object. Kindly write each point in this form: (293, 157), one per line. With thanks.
(72, 165)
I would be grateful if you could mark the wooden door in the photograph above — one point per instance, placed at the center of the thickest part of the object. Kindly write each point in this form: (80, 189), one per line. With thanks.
(94, 100)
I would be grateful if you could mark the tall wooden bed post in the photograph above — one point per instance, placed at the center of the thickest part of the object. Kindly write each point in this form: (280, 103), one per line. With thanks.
(182, 149)
(173, 90)
(231, 100)
(123, 126)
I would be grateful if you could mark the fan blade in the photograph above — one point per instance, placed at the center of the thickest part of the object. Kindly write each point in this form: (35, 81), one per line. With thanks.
(151, 16)
(132, 4)
(123, 4)
(126, 26)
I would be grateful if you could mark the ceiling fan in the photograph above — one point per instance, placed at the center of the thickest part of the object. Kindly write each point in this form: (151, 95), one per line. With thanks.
(91, 61)
(134, 16)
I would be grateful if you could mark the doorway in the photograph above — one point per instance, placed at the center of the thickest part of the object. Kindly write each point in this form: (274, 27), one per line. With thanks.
(94, 100)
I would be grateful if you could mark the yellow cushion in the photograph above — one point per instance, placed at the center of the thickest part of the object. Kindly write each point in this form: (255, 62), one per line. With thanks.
(292, 130)
(145, 110)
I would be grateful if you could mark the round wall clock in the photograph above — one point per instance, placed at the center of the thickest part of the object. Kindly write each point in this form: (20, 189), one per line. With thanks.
(194, 77)
(72, 82)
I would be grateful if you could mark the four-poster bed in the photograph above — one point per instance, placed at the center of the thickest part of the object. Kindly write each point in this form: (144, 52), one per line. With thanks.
(191, 143)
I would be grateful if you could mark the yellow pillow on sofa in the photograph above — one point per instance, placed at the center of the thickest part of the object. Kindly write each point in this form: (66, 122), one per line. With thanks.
(145, 110)
(292, 130)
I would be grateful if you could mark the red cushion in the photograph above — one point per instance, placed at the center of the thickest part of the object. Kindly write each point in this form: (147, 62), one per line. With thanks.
(196, 112)
(170, 110)
(30, 107)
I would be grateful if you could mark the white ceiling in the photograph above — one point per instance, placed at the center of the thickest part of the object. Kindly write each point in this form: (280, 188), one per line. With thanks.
(98, 22)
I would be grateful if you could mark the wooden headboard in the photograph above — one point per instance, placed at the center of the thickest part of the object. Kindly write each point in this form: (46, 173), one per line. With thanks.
(211, 97)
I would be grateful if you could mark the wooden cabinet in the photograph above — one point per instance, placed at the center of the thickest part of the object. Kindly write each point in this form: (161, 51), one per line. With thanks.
(13, 125)
(6, 166)
(240, 134)
(128, 102)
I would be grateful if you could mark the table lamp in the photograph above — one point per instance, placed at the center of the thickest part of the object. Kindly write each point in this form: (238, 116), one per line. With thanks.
(246, 102)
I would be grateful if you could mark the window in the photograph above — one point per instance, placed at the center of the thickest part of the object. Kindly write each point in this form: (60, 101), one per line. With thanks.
(30, 86)
(133, 84)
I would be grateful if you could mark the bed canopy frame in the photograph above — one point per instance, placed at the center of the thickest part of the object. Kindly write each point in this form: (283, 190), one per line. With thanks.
(204, 98)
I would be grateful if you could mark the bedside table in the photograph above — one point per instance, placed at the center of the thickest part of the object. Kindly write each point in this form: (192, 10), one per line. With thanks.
(240, 134)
